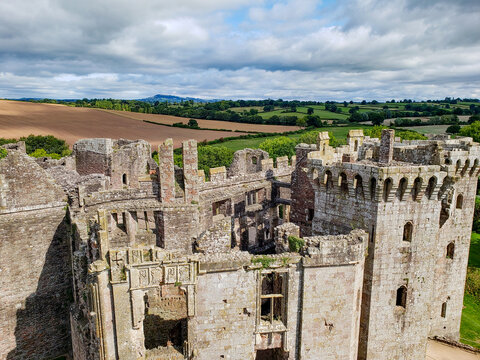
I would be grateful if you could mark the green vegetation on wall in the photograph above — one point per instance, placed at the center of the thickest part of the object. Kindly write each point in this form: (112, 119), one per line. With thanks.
(3, 153)
(295, 244)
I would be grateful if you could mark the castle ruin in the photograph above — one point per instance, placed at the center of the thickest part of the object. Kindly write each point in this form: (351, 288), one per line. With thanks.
(351, 253)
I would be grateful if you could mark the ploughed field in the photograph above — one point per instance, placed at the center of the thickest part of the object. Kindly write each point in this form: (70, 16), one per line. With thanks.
(208, 124)
(18, 118)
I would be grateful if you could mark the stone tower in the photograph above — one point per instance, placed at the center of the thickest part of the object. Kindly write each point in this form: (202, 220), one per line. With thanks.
(416, 201)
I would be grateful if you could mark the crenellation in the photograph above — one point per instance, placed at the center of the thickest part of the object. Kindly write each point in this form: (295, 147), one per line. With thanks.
(332, 255)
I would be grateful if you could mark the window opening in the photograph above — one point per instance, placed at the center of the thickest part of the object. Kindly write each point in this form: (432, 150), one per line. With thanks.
(444, 310)
(402, 296)
(311, 214)
(450, 250)
(459, 204)
(417, 186)
(387, 188)
(343, 183)
(271, 298)
(359, 186)
(407, 232)
(402, 187)
(432, 183)
(373, 188)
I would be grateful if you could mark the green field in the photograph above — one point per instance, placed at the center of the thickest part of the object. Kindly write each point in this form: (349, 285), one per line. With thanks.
(340, 132)
(470, 325)
(474, 257)
(428, 129)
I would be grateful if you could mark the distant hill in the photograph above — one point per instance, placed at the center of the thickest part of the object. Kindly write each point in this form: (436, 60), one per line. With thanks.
(173, 99)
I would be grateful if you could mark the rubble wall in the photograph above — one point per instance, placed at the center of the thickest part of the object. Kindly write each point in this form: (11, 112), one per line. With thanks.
(35, 277)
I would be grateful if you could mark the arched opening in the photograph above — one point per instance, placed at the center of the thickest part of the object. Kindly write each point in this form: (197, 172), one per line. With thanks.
(402, 187)
(355, 147)
(458, 165)
(444, 310)
(450, 250)
(254, 160)
(124, 179)
(459, 204)
(373, 188)
(342, 179)
(448, 161)
(417, 187)
(407, 232)
(474, 167)
(328, 179)
(465, 167)
(402, 296)
(432, 183)
(387, 188)
(359, 187)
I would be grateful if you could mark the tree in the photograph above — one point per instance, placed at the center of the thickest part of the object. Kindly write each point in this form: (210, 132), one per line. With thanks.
(453, 129)
(355, 117)
(301, 122)
(280, 146)
(314, 120)
(193, 123)
(310, 111)
(376, 117)
(49, 143)
(311, 138)
(472, 130)
(473, 118)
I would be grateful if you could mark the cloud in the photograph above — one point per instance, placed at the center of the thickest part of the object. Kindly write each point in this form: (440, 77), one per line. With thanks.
(290, 49)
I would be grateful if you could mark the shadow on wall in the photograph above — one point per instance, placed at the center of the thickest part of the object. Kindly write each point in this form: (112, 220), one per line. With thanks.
(43, 326)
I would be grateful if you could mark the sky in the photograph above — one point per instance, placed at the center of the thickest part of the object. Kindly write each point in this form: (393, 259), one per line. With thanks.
(240, 49)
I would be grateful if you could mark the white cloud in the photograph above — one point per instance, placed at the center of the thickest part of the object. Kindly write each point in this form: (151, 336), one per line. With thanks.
(296, 48)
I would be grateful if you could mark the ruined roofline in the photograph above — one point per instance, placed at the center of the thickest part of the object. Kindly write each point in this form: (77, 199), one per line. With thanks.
(391, 151)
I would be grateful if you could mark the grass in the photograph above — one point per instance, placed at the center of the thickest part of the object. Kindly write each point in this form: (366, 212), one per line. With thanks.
(428, 129)
(474, 257)
(470, 324)
(302, 111)
(340, 132)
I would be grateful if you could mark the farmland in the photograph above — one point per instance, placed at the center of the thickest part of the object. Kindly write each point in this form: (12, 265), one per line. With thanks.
(70, 123)
(207, 124)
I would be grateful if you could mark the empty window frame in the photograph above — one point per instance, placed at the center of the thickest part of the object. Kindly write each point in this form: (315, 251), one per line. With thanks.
(251, 197)
(272, 299)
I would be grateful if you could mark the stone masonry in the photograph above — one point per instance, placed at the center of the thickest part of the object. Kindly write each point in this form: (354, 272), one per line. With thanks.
(346, 253)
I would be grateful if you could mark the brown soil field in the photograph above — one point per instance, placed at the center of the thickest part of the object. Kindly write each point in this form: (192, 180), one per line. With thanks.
(209, 124)
(18, 118)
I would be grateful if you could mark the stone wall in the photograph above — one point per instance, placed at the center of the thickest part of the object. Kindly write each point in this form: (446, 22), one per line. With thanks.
(35, 280)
